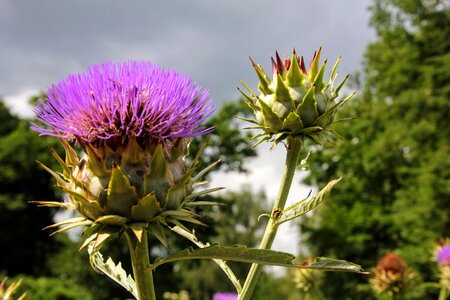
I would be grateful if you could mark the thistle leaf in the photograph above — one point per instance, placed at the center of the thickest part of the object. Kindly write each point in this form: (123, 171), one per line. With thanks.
(259, 256)
(113, 271)
(302, 207)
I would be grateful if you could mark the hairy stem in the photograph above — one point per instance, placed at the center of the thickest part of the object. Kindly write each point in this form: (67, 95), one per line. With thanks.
(141, 261)
(294, 146)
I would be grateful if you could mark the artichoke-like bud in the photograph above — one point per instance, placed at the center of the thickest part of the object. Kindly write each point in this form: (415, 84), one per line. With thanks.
(391, 275)
(296, 101)
(134, 122)
(443, 260)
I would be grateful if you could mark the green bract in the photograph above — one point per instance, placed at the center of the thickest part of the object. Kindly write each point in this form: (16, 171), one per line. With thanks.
(129, 187)
(295, 101)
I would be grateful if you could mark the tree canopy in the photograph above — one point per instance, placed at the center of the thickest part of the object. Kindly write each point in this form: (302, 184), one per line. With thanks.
(395, 156)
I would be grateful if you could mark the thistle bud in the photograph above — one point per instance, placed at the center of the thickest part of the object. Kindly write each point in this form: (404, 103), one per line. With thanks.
(391, 275)
(134, 122)
(443, 261)
(295, 101)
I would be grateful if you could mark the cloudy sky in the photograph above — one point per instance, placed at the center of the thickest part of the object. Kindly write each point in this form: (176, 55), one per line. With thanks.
(42, 41)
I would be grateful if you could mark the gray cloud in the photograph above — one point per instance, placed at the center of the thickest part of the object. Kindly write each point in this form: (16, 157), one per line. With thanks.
(44, 40)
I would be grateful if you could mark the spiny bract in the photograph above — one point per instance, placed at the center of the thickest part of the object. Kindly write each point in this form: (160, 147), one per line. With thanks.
(295, 101)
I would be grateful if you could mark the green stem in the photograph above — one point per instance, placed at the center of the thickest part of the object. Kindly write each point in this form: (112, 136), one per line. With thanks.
(141, 262)
(443, 294)
(294, 146)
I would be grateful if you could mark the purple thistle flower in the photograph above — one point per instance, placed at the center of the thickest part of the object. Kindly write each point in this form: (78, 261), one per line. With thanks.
(225, 296)
(443, 255)
(113, 101)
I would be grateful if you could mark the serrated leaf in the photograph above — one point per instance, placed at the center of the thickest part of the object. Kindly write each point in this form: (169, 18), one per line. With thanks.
(331, 264)
(221, 263)
(113, 271)
(259, 256)
(302, 207)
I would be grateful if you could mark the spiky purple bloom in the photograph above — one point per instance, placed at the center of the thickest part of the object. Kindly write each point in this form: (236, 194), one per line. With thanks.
(443, 255)
(225, 296)
(131, 99)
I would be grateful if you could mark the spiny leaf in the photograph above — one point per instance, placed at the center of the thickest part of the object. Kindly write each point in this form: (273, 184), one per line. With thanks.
(302, 207)
(113, 271)
(259, 256)
(331, 264)
(221, 263)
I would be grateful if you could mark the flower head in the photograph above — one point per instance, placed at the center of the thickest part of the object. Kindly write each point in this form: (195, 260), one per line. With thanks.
(296, 101)
(391, 275)
(134, 122)
(443, 255)
(114, 101)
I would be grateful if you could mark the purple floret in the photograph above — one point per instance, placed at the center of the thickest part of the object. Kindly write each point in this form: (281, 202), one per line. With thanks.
(124, 100)
(225, 296)
(443, 255)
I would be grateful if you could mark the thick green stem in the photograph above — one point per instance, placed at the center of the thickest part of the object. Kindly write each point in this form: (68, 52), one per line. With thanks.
(294, 146)
(141, 261)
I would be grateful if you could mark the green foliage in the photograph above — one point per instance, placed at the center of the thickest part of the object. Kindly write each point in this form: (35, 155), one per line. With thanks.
(53, 289)
(25, 246)
(395, 157)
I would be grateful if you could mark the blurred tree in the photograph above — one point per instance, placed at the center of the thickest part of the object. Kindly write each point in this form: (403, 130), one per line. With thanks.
(395, 156)
(227, 142)
(25, 247)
